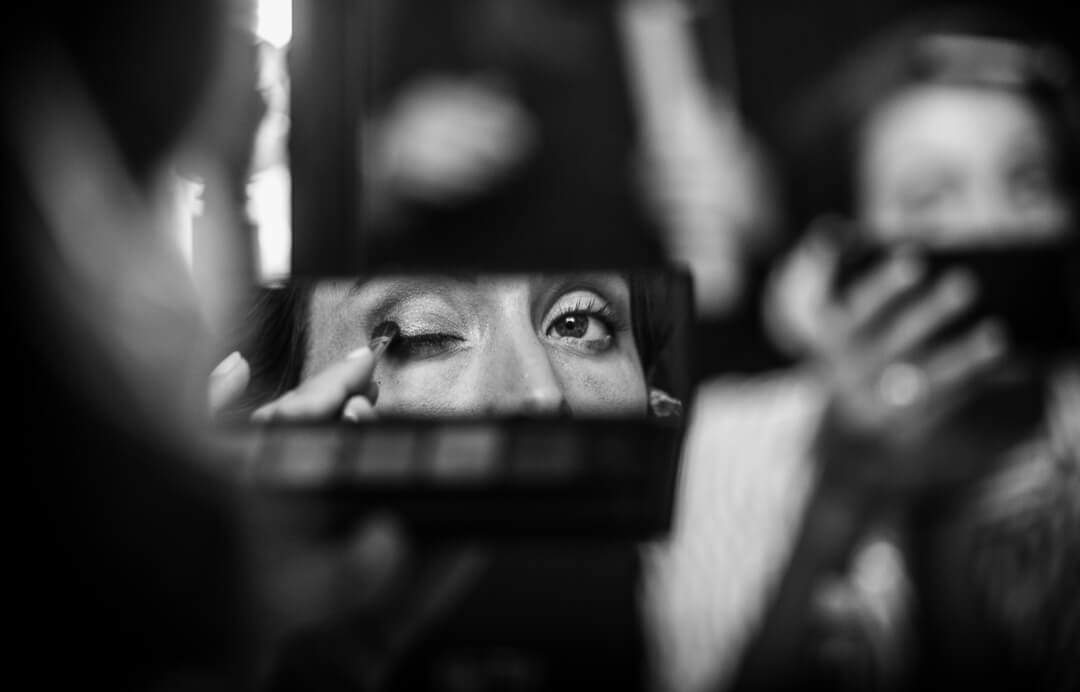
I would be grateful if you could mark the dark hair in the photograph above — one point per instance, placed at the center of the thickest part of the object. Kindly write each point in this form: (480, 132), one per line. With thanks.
(273, 339)
(939, 46)
(654, 300)
(274, 335)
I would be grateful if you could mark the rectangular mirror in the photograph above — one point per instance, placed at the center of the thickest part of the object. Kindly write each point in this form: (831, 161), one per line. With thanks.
(476, 403)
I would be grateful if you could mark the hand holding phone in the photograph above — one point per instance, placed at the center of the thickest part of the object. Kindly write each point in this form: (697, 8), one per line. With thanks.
(918, 344)
(1031, 290)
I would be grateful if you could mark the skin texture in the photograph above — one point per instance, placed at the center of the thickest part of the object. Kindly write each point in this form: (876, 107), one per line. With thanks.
(504, 344)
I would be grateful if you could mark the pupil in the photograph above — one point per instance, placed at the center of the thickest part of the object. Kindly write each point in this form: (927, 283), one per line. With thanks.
(573, 326)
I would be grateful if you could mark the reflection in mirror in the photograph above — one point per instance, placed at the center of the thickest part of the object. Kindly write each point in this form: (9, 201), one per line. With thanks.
(601, 344)
(491, 405)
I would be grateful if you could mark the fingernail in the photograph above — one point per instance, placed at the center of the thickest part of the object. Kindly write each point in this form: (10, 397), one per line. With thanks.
(358, 352)
(226, 366)
(262, 415)
(350, 413)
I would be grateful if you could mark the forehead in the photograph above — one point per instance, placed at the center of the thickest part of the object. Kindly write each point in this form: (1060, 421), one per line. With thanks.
(952, 122)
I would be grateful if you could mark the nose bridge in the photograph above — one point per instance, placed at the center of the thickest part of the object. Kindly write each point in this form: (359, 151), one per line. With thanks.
(526, 380)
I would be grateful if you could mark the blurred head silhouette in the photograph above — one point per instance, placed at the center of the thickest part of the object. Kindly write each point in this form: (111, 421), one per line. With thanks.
(97, 97)
(958, 125)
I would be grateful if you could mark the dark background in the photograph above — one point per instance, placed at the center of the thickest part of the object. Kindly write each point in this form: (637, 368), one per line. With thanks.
(782, 45)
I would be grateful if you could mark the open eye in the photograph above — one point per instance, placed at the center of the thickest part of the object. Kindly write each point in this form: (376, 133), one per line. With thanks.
(579, 326)
(583, 321)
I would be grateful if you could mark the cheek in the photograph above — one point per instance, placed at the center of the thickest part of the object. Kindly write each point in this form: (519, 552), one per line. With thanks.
(614, 386)
(432, 387)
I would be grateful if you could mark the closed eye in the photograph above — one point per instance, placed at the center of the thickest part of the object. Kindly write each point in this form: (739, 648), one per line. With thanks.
(422, 345)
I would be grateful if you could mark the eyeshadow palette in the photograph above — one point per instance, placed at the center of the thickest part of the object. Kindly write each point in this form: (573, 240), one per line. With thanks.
(515, 478)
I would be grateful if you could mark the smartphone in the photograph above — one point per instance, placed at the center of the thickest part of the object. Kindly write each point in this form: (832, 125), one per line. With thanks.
(1032, 290)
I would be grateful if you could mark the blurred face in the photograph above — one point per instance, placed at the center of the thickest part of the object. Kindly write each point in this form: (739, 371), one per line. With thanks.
(488, 345)
(954, 165)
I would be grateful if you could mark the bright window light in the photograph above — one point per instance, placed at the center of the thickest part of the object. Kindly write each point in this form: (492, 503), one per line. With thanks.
(273, 21)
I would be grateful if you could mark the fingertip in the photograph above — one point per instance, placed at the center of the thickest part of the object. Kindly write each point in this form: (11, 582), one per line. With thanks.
(227, 382)
(353, 374)
(356, 409)
(362, 352)
(282, 407)
(228, 365)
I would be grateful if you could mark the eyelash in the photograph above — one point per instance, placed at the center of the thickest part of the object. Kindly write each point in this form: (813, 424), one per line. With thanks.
(593, 307)
(413, 346)
(407, 346)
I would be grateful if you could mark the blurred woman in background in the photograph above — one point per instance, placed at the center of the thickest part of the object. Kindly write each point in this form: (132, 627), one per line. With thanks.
(904, 543)
(956, 130)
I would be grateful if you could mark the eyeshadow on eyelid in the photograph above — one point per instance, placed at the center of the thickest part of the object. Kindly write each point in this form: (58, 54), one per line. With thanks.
(412, 320)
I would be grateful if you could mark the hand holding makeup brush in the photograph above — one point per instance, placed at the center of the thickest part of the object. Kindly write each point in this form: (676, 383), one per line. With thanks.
(344, 389)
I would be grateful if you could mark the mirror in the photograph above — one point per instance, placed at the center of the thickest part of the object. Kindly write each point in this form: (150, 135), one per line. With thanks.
(592, 344)
(498, 404)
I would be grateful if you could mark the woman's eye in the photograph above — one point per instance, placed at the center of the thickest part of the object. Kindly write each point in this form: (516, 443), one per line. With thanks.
(419, 346)
(589, 330)
(573, 326)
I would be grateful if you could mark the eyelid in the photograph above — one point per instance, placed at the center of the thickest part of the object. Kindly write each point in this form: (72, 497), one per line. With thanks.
(414, 321)
(423, 345)
(590, 304)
